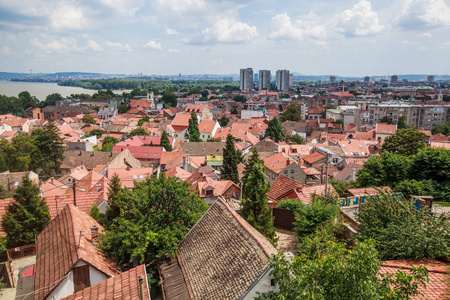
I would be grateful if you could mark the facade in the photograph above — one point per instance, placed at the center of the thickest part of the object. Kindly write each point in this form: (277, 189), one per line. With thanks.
(332, 79)
(264, 79)
(366, 80)
(246, 79)
(282, 80)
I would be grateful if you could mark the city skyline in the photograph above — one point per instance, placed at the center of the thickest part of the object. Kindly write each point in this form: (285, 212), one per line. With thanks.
(349, 38)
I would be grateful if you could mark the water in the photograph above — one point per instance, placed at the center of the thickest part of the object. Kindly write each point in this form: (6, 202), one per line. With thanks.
(40, 89)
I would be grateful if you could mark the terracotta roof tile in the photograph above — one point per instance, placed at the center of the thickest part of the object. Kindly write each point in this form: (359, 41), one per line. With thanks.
(60, 247)
(281, 186)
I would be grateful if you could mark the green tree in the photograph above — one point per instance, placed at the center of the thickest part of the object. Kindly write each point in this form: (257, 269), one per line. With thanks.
(231, 159)
(27, 100)
(97, 132)
(311, 216)
(20, 158)
(193, 132)
(3, 249)
(169, 99)
(214, 140)
(443, 128)
(240, 98)
(97, 215)
(165, 142)
(340, 186)
(153, 219)
(405, 141)
(108, 143)
(143, 120)
(26, 216)
(46, 160)
(223, 121)
(292, 113)
(386, 169)
(89, 119)
(254, 189)
(6, 153)
(51, 99)
(387, 120)
(291, 204)
(122, 108)
(342, 274)
(140, 131)
(114, 198)
(402, 231)
(414, 188)
(295, 139)
(401, 123)
(274, 130)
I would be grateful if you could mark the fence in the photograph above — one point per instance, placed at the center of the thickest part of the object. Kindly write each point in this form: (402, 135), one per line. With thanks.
(19, 252)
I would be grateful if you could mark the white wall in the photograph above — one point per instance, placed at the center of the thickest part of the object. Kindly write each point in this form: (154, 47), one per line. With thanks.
(262, 286)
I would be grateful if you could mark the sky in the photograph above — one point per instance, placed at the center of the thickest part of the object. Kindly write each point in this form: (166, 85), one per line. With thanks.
(345, 38)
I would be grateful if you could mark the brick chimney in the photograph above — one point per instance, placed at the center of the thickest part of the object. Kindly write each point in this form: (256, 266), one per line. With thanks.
(94, 234)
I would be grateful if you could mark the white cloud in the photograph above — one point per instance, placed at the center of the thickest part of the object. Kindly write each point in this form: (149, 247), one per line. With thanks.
(217, 62)
(152, 45)
(361, 20)
(171, 31)
(63, 45)
(124, 7)
(5, 50)
(93, 45)
(284, 28)
(119, 46)
(425, 34)
(419, 14)
(229, 31)
(68, 16)
(174, 51)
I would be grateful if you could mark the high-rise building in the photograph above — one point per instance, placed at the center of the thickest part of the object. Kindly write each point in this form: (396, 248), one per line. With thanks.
(246, 79)
(366, 80)
(282, 80)
(264, 79)
(332, 79)
(430, 78)
(394, 79)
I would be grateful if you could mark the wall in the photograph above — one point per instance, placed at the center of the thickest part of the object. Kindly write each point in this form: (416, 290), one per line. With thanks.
(64, 288)
(262, 286)
(283, 218)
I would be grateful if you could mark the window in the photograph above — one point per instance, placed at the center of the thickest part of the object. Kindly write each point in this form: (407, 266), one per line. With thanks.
(229, 192)
(209, 192)
(292, 171)
(285, 171)
(134, 177)
(141, 177)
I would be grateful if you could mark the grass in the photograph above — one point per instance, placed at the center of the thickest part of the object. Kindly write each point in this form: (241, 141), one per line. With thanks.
(447, 204)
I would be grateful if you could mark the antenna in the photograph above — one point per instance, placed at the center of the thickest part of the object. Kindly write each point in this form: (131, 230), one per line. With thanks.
(31, 74)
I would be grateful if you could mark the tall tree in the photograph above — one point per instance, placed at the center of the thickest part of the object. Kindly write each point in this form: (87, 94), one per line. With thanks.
(165, 142)
(138, 131)
(223, 121)
(254, 188)
(405, 141)
(89, 119)
(47, 159)
(154, 217)
(292, 113)
(274, 130)
(231, 159)
(193, 132)
(108, 143)
(23, 146)
(26, 216)
(113, 210)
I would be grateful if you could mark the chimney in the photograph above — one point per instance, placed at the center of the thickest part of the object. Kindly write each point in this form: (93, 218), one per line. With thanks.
(353, 174)
(141, 287)
(288, 161)
(94, 234)
(186, 160)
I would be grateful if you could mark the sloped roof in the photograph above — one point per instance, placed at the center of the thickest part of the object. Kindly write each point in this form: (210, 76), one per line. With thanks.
(277, 162)
(313, 158)
(368, 191)
(75, 158)
(438, 288)
(123, 286)
(306, 193)
(281, 186)
(347, 172)
(178, 172)
(60, 247)
(3, 206)
(206, 126)
(203, 148)
(85, 200)
(222, 255)
(181, 120)
(384, 128)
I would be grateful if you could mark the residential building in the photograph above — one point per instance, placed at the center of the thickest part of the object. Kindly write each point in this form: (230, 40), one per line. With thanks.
(383, 130)
(246, 79)
(367, 80)
(221, 257)
(332, 79)
(282, 80)
(11, 180)
(264, 79)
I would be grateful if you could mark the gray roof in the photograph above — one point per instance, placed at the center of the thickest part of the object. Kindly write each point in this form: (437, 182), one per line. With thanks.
(203, 148)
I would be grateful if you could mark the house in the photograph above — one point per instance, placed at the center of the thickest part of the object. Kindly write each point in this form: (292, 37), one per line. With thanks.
(281, 163)
(129, 175)
(63, 111)
(132, 284)
(203, 112)
(75, 174)
(349, 172)
(84, 201)
(178, 172)
(383, 130)
(210, 190)
(141, 153)
(34, 113)
(107, 112)
(67, 258)
(282, 188)
(179, 126)
(305, 194)
(221, 257)
(203, 148)
(13, 123)
(354, 148)
(11, 180)
(208, 129)
(90, 159)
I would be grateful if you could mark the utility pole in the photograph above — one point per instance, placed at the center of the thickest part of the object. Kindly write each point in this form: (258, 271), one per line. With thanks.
(74, 192)
(326, 177)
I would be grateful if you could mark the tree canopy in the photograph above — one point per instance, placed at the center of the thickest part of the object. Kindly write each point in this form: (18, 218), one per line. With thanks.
(154, 217)
(193, 132)
(140, 131)
(165, 142)
(223, 121)
(26, 216)
(231, 159)
(274, 130)
(108, 143)
(405, 141)
(89, 119)
(292, 113)
(254, 188)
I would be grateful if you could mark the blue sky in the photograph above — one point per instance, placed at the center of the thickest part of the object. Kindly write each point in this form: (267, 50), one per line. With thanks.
(358, 37)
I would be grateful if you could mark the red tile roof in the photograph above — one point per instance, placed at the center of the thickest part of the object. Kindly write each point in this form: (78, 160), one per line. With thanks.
(313, 158)
(3, 206)
(282, 186)
(368, 191)
(85, 201)
(206, 126)
(384, 128)
(123, 286)
(64, 242)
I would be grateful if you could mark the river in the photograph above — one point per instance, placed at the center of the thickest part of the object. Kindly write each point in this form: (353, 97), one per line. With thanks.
(40, 89)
